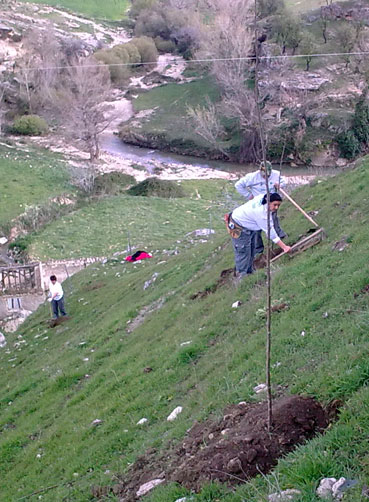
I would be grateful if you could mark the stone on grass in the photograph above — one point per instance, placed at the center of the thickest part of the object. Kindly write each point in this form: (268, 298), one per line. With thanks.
(284, 496)
(145, 488)
(3, 240)
(2, 340)
(97, 421)
(260, 388)
(236, 304)
(142, 421)
(175, 413)
(341, 486)
(324, 489)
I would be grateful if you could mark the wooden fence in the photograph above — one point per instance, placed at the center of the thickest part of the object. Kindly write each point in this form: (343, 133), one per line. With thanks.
(20, 279)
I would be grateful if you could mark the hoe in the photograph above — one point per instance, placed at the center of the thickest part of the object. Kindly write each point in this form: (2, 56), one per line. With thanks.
(306, 242)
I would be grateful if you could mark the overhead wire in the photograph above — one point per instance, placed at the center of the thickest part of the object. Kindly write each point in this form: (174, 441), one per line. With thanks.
(206, 60)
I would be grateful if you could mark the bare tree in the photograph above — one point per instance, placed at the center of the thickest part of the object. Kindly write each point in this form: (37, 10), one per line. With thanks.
(40, 67)
(81, 103)
(228, 42)
(346, 36)
(207, 124)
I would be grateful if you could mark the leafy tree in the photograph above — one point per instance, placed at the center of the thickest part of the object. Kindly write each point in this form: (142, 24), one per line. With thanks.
(360, 124)
(346, 36)
(307, 48)
(288, 32)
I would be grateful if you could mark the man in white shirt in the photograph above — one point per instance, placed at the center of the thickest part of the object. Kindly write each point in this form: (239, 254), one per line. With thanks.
(57, 297)
(252, 185)
(251, 218)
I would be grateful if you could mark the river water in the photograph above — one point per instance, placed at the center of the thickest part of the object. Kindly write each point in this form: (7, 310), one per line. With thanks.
(148, 158)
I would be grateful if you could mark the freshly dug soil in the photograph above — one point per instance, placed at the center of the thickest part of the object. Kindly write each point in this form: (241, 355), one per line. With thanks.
(231, 450)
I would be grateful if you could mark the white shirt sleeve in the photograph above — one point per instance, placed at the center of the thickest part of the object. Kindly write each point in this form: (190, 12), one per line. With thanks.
(243, 187)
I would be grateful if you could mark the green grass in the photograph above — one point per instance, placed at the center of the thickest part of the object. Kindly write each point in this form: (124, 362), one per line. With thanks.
(170, 103)
(109, 225)
(29, 176)
(61, 379)
(109, 9)
(300, 6)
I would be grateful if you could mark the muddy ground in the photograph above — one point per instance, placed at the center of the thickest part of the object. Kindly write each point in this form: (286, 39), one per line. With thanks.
(231, 450)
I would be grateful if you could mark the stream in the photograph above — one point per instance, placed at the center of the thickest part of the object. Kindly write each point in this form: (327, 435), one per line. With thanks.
(149, 158)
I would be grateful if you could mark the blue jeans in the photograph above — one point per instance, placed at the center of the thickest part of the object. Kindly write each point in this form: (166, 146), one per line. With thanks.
(58, 305)
(244, 252)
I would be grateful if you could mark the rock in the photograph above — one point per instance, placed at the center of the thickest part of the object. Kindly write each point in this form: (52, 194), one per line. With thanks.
(142, 421)
(3, 240)
(251, 455)
(234, 465)
(147, 369)
(340, 245)
(341, 486)
(260, 388)
(145, 488)
(284, 496)
(174, 413)
(324, 489)
(151, 281)
(97, 421)
(236, 304)
(2, 340)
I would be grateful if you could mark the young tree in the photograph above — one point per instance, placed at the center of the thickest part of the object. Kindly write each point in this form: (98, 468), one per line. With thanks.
(288, 32)
(307, 49)
(346, 37)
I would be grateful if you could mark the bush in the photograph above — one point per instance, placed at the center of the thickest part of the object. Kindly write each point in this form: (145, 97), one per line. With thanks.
(30, 125)
(140, 5)
(153, 187)
(164, 45)
(118, 73)
(147, 49)
(152, 23)
(113, 183)
(360, 124)
(348, 144)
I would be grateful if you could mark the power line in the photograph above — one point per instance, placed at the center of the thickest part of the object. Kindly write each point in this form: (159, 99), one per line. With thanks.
(209, 60)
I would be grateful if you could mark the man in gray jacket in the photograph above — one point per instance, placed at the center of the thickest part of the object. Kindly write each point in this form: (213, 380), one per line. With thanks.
(252, 185)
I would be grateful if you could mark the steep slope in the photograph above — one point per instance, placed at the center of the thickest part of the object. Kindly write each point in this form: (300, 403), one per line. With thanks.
(58, 381)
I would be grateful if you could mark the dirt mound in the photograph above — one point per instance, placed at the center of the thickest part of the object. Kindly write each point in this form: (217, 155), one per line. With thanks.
(231, 450)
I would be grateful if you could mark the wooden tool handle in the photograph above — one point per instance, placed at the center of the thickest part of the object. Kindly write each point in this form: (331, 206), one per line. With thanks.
(285, 194)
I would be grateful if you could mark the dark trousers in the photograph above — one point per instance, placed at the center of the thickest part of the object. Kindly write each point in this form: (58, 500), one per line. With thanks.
(244, 252)
(259, 245)
(58, 306)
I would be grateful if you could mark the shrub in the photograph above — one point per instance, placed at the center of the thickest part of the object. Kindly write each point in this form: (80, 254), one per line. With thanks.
(164, 45)
(152, 23)
(147, 49)
(112, 183)
(360, 124)
(140, 5)
(118, 73)
(348, 144)
(153, 187)
(133, 53)
(30, 125)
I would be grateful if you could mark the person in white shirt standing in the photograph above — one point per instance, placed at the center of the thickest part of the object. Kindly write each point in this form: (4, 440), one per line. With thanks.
(252, 185)
(57, 297)
(245, 221)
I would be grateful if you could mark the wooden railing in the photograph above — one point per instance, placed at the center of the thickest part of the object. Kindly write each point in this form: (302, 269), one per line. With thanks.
(20, 279)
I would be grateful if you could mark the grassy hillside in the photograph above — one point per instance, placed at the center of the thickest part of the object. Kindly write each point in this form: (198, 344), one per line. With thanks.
(109, 9)
(57, 381)
(110, 225)
(29, 176)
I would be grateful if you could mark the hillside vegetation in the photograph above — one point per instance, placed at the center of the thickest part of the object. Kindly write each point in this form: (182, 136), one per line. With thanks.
(58, 381)
(109, 9)
(29, 176)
